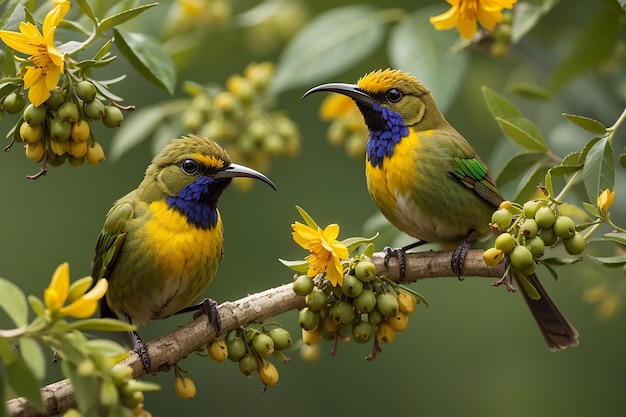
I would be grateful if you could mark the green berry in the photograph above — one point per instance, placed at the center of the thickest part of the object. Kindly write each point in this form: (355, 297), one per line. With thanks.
(59, 130)
(521, 258)
(94, 110)
(342, 313)
(375, 317)
(281, 337)
(68, 113)
(112, 116)
(531, 208)
(308, 319)
(502, 217)
(505, 242)
(316, 299)
(236, 348)
(365, 302)
(35, 115)
(86, 91)
(14, 103)
(303, 285)
(365, 271)
(263, 344)
(362, 332)
(545, 217)
(529, 228)
(537, 246)
(548, 236)
(56, 99)
(387, 304)
(352, 286)
(575, 245)
(564, 227)
(248, 364)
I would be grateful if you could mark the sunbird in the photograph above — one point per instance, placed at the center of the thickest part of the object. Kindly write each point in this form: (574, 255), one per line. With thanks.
(162, 242)
(428, 181)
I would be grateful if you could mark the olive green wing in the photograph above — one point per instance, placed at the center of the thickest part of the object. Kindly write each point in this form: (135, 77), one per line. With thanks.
(109, 244)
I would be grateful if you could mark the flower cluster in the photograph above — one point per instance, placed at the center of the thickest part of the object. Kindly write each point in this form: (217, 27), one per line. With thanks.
(464, 13)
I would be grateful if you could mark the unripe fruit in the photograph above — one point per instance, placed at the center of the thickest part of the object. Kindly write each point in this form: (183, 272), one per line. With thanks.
(502, 217)
(94, 110)
(531, 208)
(545, 217)
(248, 364)
(60, 130)
(303, 285)
(56, 99)
(269, 374)
(226, 102)
(308, 318)
(86, 91)
(316, 299)
(387, 304)
(185, 388)
(35, 115)
(575, 245)
(537, 246)
(564, 227)
(95, 154)
(399, 321)
(14, 103)
(505, 242)
(121, 374)
(112, 116)
(406, 303)
(281, 337)
(311, 337)
(56, 160)
(521, 258)
(35, 151)
(218, 350)
(385, 333)
(365, 302)
(375, 317)
(80, 131)
(236, 348)
(108, 393)
(493, 256)
(68, 113)
(263, 344)
(342, 313)
(352, 286)
(329, 325)
(362, 332)
(548, 236)
(529, 228)
(310, 353)
(365, 271)
(31, 133)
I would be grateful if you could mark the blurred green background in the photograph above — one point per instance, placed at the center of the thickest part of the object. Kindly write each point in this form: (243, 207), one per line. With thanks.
(475, 352)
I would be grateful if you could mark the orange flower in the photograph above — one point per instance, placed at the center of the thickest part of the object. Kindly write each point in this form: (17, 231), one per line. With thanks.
(464, 13)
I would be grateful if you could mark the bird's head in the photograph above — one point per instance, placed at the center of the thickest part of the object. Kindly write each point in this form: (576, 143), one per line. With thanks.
(190, 174)
(389, 89)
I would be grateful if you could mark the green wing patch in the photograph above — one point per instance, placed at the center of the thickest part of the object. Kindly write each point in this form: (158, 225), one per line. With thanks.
(472, 173)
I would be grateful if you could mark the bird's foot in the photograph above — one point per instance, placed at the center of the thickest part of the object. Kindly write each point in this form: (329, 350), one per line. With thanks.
(460, 253)
(140, 348)
(208, 307)
(399, 253)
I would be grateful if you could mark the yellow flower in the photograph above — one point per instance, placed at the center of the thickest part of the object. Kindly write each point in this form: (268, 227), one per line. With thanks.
(326, 251)
(81, 304)
(463, 15)
(606, 199)
(44, 75)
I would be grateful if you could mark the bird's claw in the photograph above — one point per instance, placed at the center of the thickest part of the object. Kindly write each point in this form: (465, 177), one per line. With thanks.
(460, 254)
(398, 253)
(208, 307)
(140, 348)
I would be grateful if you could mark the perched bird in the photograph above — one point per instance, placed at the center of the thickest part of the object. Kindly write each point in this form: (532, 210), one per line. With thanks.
(161, 243)
(428, 182)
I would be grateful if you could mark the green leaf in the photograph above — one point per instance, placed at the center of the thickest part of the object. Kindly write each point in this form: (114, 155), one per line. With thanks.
(517, 165)
(585, 151)
(616, 237)
(499, 106)
(419, 49)
(595, 43)
(599, 169)
(12, 16)
(587, 123)
(307, 219)
(529, 182)
(87, 10)
(102, 52)
(571, 159)
(147, 56)
(354, 242)
(23, 381)
(560, 261)
(525, 17)
(13, 302)
(4, 412)
(559, 171)
(529, 90)
(524, 132)
(369, 250)
(106, 347)
(135, 129)
(36, 360)
(7, 353)
(124, 16)
(331, 43)
(609, 261)
(591, 209)
(298, 266)
(102, 324)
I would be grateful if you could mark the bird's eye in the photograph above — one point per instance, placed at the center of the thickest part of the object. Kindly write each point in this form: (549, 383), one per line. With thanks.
(189, 166)
(394, 95)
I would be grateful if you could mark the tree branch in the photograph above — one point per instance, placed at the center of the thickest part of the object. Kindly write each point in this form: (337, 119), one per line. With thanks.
(168, 350)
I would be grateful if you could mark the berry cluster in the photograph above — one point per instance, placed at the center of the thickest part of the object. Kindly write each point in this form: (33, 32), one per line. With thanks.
(346, 124)
(59, 130)
(123, 389)
(238, 117)
(251, 347)
(523, 236)
(365, 307)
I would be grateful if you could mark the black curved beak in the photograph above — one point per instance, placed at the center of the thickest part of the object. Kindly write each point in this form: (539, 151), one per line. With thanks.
(350, 90)
(235, 170)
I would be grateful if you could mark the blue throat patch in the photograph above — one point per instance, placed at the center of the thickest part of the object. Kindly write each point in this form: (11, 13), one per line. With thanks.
(382, 142)
(197, 202)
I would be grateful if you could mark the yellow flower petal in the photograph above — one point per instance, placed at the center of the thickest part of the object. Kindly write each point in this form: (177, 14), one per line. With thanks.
(60, 283)
(51, 300)
(86, 305)
(336, 106)
(446, 20)
(605, 200)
